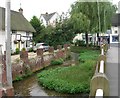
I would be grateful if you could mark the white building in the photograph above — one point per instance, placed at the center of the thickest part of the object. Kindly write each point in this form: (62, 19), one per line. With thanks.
(49, 19)
(114, 37)
(21, 30)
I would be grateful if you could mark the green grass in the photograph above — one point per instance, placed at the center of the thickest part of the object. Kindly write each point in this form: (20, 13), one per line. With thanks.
(79, 49)
(89, 55)
(72, 79)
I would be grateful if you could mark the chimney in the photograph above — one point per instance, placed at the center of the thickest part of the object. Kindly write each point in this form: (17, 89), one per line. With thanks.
(21, 10)
(46, 13)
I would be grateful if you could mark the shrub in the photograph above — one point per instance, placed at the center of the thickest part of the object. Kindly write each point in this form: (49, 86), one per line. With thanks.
(56, 62)
(80, 43)
(18, 78)
(31, 50)
(23, 49)
(17, 51)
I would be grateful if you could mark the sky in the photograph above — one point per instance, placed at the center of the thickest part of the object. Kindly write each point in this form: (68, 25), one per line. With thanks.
(38, 7)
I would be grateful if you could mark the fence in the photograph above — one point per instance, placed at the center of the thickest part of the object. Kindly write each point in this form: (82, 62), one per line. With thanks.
(99, 85)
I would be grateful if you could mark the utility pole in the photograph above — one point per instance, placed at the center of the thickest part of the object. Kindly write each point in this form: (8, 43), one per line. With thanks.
(8, 42)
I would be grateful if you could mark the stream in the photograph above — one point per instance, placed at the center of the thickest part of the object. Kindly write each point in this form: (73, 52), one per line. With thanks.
(30, 87)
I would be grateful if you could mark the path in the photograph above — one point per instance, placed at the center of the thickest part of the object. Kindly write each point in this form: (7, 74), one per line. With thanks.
(112, 69)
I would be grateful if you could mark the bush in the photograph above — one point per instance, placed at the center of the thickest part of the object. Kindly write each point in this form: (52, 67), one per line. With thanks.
(56, 62)
(31, 50)
(17, 51)
(18, 78)
(23, 49)
(80, 43)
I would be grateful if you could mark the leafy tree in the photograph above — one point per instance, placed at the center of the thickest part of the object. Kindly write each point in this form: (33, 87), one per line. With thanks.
(90, 11)
(35, 22)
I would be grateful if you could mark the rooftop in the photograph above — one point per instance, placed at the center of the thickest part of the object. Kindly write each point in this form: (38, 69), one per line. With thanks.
(18, 21)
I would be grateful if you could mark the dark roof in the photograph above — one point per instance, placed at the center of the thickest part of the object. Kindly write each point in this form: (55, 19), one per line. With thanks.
(18, 21)
(116, 19)
(47, 16)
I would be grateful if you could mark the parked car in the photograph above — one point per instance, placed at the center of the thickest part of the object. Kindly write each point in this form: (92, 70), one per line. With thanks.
(43, 46)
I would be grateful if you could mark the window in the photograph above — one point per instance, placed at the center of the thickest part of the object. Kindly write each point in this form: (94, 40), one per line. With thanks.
(115, 38)
(116, 32)
(18, 37)
(14, 32)
(27, 43)
(27, 33)
(42, 20)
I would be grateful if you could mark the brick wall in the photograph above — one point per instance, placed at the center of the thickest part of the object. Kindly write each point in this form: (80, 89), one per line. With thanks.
(25, 64)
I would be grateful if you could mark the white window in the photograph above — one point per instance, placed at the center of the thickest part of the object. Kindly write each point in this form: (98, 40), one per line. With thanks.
(115, 31)
(115, 38)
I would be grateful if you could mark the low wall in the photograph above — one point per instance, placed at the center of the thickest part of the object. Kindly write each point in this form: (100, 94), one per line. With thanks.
(100, 80)
(26, 65)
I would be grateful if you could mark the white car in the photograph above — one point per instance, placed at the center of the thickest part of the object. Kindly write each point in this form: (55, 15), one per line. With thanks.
(43, 46)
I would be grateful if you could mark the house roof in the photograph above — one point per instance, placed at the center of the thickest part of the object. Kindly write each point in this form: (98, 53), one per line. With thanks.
(18, 21)
(116, 19)
(47, 16)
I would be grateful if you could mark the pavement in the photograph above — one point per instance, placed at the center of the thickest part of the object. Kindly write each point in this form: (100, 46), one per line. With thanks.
(17, 57)
(112, 68)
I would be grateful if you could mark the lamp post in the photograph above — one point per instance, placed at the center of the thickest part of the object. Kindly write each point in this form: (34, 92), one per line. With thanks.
(8, 42)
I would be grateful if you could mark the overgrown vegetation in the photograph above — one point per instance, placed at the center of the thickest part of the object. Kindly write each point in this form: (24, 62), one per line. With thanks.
(80, 43)
(72, 79)
(57, 62)
(19, 78)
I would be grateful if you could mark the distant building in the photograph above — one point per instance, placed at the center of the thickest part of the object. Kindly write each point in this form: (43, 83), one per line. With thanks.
(21, 30)
(49, 19)
(115, 37)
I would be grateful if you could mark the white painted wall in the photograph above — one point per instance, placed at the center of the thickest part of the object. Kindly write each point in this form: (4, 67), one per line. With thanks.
(114, 29)
(53, 19)
(43, 21)
(2, 40)
(13, 37)
(119, 33)
(114, 34)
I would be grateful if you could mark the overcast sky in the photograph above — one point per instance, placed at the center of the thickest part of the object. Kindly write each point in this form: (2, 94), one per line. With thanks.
(37, 7)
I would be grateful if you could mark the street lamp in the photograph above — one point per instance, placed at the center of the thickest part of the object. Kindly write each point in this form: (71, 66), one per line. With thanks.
(8, 42)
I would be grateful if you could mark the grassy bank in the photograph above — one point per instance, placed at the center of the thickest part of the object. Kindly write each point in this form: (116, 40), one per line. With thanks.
(72, 79)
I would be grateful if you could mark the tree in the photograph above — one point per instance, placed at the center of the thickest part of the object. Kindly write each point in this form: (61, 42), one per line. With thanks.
(35, 22)
(90, 10)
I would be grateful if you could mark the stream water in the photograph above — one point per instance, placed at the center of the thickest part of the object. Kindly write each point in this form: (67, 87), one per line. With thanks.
(30, 87)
